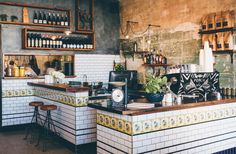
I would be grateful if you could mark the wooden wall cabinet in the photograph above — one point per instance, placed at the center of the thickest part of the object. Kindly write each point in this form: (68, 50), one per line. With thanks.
(27, 14)
(43, 39)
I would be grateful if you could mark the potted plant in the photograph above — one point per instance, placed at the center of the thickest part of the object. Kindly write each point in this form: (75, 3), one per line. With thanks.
(154, 87)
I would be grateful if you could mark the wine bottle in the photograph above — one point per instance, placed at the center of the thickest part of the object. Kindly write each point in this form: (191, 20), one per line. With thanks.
(28, 40)
(36, 40)
(40, 40)
(49, 18)
(62, 20)
(54, 19)
(66, 20)
(44, 18)
(35, 18)
(40, 18)
(32, 40)
(48, 42)
(44, 45)
(58, 19)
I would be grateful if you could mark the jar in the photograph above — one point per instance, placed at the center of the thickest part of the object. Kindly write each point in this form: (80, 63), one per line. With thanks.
(22, 71)
(16, 71)
(232, 92)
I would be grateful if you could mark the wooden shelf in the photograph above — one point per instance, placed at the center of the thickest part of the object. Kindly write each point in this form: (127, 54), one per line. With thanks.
(141, 52)
(28, 30)
(217, 30)
(60, 49)
(32, 24)
(38, 7)
(153, 66)
(157, 65)
(33, 6)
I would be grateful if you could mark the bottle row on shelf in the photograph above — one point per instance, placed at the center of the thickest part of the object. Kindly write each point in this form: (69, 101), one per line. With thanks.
(36, 40)
(151, 58)
(51, 18)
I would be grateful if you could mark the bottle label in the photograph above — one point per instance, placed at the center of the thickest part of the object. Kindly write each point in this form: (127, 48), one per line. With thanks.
(48, 43)
(44, 42)
(45, 21)
(36, 42)
(35, 21)
(49, 22)
(40, 43)
(32, 43)
(29, 41)
(40, 21)
(66, 23)
(62, 23)
(64, 45)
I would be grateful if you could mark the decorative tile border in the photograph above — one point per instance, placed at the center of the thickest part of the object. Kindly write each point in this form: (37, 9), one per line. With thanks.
(47, 94)
(60, 97)
(115, 123)
(17, 93)
(134, 128)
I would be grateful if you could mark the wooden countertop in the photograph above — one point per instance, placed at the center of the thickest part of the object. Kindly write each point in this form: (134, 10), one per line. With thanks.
(105, 107)
(60, 87)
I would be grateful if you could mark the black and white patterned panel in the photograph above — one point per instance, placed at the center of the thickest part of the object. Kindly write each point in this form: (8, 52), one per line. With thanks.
(198, 83)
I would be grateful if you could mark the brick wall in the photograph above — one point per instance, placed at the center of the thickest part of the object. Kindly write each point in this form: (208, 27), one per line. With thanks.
(178, 36)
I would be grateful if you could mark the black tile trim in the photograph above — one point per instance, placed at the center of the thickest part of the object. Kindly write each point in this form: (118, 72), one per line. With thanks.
(17, 96)
(16, 117)
(112, 147)
(103, 149)
(205, 144)
(70, 128)
(195, 141)
(17, 113)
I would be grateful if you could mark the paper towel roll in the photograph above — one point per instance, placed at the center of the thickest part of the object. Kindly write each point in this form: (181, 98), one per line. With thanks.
(208, 58)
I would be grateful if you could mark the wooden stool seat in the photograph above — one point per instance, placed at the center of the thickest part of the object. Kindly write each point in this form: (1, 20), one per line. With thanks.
(48, 107)
(36, 103)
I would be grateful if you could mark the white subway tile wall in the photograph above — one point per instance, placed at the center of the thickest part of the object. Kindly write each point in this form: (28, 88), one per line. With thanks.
(210, 136)
(96, 67)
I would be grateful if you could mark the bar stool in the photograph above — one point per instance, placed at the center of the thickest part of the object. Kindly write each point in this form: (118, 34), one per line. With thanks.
(36, 116)
(48, 125)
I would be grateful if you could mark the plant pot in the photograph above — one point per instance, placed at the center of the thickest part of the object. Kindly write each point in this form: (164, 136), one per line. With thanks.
(154, 97)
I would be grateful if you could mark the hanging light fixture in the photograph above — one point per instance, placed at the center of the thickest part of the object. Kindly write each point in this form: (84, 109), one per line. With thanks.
(128, 29)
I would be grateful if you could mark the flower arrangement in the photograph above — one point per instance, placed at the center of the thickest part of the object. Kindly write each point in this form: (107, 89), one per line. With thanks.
(57, 75)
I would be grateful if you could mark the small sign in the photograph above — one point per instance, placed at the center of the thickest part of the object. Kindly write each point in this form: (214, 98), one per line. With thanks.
(25, 15)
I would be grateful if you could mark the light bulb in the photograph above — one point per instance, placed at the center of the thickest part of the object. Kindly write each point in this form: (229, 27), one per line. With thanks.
(149, 41)
(53, 37)
(67, 32)
(127, 36)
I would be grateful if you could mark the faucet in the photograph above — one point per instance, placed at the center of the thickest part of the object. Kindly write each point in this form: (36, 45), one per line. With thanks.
(85, 78)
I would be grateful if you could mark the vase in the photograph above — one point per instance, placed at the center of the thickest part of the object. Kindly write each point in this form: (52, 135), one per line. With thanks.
(154, 97)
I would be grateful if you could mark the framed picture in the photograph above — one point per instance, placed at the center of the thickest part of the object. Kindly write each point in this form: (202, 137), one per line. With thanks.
(84, 14)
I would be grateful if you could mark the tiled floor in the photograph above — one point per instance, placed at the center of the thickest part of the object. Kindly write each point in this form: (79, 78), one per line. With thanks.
(12, 143)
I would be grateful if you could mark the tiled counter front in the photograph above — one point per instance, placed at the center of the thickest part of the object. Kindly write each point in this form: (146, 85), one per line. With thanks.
(16, 95)
(196, 130)
(73, 119)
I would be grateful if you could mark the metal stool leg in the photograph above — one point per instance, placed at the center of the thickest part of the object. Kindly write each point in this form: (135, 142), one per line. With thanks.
(29, 127)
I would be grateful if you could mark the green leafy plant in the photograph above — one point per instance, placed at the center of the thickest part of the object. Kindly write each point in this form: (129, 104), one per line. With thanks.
(154, 84)
(119, 67)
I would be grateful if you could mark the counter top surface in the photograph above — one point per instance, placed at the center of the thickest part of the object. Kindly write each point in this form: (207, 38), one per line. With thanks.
(133, 112)
(60, 87)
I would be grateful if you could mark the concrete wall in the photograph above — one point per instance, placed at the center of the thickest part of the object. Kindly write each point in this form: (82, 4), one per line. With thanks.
(106, 22)
(178, 36)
